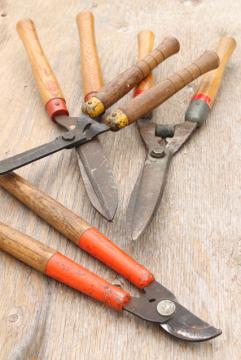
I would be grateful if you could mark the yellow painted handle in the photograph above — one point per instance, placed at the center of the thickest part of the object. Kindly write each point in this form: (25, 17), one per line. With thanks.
(145, 40)
(90, 64)
(210, 83)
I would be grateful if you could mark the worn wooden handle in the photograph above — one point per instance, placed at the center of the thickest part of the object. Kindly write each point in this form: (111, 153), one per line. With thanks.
(59, 267)
(155, 96)
(76, 229)
(207, 90)
(92, 77)
(47, 83)
(128, 79)
(145, 46)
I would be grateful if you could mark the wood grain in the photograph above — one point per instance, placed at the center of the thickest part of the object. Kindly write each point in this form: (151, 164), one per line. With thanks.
(145, 40)
(47, 83)
(150, 99)
(211, 82)
(193, 245)
(24, 248)
(127, 80)
(62, 219)
(91, 72)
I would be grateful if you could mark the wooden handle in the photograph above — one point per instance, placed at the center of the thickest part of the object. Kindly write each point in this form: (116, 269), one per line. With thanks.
(155, 96)
(145, 45)
(128, 79)
(76, 229)
(47, 83)
(60, 268)
(24, 248)
(92, 77)
(207, 90)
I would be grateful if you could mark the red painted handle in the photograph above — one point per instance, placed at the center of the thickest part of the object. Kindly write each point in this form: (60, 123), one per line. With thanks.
(103, 249)
(63, 269)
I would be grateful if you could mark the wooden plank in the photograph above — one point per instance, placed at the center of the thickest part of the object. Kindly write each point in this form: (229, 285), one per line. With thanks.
(193, 245)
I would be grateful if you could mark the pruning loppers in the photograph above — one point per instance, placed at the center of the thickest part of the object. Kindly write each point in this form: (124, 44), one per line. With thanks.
(155, 304)
(83, 129)
(164, 141)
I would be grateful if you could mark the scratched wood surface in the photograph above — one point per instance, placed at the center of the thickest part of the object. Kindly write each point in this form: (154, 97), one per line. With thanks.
(193, 244)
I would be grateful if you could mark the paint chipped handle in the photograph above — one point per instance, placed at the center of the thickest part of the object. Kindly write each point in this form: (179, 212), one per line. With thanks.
(145, 40)
(92, 78)
(150, 99)
(128, 79)
(47, 83)
(207, 90)
(103, 249)
(59, 267)
(76, 229)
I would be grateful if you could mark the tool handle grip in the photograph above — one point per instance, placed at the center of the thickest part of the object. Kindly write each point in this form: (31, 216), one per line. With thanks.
(145, 40)
(128, 79)
(47, 83)
(92, 77)
(59, 267)
(76, 229)
(207, 90)
(150, 99)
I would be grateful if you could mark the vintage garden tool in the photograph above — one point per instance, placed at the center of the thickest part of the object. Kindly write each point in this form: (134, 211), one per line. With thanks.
(150, 184)
(155, 304)
(99, 181)
(84, 129)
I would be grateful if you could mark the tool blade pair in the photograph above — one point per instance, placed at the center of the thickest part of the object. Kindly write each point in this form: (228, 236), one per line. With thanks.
(164, 141)
(155, 303)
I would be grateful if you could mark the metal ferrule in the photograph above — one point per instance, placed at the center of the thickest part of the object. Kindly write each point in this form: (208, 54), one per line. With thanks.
(197, 112)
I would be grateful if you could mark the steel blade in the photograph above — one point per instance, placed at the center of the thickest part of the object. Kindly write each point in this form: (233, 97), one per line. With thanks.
(98, 178)
(147, 194)
(32, 155)
(159, 305)
(85, 130)
(187, 326)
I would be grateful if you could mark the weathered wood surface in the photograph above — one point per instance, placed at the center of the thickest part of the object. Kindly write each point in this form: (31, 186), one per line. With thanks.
(193, 245)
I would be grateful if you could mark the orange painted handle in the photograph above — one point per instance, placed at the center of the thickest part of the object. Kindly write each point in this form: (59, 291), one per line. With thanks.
(47, 83)
(63, 269)
(76, 229)
(92, 77)
(145, 46)
(103, 249)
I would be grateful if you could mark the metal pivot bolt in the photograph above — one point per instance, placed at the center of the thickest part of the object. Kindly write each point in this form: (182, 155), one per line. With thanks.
(68, 136)
(157, 154)
(166, 307)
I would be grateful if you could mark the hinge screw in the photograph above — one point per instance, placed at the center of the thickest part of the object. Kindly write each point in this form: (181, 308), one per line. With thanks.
(166, 307)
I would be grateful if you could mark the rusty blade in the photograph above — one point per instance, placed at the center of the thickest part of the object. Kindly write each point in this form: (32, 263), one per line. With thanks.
(98, 178)
(147, 194)
(159, 305)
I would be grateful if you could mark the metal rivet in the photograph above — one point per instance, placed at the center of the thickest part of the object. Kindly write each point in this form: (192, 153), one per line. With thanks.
(157, 154)
(166, 307)
(68, 137)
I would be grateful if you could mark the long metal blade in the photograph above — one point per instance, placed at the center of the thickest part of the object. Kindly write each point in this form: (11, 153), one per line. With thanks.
(147, 194)
(32, 155)
(85, 130)
(98, 178)
(159, 305)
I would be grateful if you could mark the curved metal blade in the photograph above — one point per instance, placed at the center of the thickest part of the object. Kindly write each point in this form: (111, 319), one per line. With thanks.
(187, 326)
(98, 178)
(180, 323)
(147, 194)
